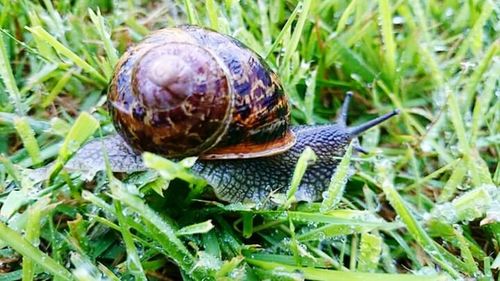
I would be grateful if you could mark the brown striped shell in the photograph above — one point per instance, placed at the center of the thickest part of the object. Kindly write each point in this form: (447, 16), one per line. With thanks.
(189, 90)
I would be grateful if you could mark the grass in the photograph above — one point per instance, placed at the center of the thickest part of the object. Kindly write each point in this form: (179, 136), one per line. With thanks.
(422, 205)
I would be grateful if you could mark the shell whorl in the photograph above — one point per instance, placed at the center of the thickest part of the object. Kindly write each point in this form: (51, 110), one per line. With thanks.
(181, 101)
(192, 91)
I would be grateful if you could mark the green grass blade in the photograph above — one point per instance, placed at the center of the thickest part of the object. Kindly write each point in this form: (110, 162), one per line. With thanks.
(327, 275)
(310, 95)
(297, 31)
(483, 100)
(133, 260)
(463, 142)
(286, 28)
(27, 136)
(197, 228)
(57, 89)
(24, 247)
(415, 229)
(306, 158)
(111, 52)
(8, 79)
(162, 232)
(475, 78)
(212, 12)
(33, 231)
(43, 35)
(342, 23)
(169, 169)
(453, 182)
(388, 38)
(191, 13)
(337, 183)
(369, 252)
(84, 126)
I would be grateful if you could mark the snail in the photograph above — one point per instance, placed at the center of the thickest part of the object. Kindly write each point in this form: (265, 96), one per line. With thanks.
(190, 91)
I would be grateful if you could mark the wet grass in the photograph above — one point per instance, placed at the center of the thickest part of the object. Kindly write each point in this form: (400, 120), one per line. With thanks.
(422, 205)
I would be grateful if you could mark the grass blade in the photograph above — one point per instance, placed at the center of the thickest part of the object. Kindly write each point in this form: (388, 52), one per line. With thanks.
(327, 275)
(285, 29)
(202, 227)
(84, 126)
(212, 12)
(111, 52)
(9, 80)
(388, 38)
(43, 35)
(337, 183)
(27, 136)
(161, 231)
(415, 229)
(133, 260)
(297, 31)
(191, 13)
(24, 247)
(369, 252)
(306, 157)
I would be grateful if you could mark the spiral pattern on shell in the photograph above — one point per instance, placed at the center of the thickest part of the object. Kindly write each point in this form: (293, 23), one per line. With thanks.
(192, 91)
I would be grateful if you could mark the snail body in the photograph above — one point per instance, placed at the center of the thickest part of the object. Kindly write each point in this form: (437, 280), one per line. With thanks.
(192, 91)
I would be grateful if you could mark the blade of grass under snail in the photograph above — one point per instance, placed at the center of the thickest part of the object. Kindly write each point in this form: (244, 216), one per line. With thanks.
(33, 226)
(133, 260)
(325, 274)
(161, 231)
(197, 228)
(415, 229)
(370, 249)
(25, 248)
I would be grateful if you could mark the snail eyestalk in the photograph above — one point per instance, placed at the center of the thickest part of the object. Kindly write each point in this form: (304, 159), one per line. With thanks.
(342, 119)
(355, 131)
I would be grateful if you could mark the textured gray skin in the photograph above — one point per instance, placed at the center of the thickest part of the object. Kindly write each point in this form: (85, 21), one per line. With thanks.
(239, 179)
(255, 179)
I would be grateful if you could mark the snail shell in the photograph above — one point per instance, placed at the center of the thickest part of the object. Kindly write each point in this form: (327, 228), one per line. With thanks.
(192, 91)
